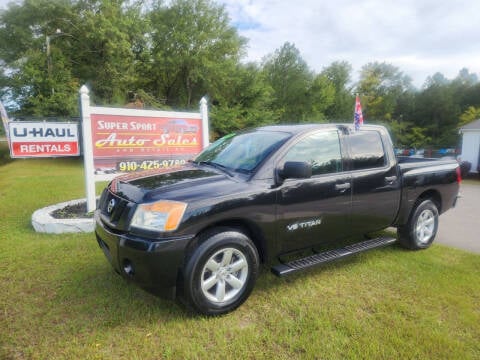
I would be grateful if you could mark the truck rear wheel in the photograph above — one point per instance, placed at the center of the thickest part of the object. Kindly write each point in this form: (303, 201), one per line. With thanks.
(221, 273)
(421, 228)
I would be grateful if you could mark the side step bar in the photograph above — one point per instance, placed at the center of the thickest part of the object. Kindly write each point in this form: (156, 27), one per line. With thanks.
(331, 255)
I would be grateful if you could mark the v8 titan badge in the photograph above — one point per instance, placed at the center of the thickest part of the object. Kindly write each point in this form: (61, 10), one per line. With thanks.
(304, 224)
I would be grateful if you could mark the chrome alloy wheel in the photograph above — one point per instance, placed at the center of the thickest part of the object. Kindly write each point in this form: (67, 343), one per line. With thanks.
(425, 226)
(224, 275)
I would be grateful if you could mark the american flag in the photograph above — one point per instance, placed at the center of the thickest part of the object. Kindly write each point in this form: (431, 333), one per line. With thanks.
(358, 116)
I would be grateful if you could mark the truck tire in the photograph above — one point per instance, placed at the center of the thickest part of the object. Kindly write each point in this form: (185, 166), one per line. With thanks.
(221, 273)
(421, 228)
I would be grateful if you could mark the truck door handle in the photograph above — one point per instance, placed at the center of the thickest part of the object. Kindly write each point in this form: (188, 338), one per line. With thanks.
(390, 179)
(342, 187)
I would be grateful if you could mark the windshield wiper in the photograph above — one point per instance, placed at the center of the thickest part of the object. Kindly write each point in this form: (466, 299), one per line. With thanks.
(217, 166)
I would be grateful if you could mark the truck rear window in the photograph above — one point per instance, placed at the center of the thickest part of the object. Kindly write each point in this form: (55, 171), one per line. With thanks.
(366, 150)
(321, 150)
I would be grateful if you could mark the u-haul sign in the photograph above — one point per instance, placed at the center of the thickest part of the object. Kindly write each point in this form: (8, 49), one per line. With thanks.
(43, 139)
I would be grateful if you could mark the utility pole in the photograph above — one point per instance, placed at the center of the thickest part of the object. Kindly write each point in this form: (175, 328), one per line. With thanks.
(48, 39)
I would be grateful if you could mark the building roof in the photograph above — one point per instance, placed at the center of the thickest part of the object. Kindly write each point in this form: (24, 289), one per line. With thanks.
(474, 125)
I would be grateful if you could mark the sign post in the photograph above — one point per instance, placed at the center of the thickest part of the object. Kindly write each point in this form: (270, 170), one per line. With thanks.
(87, 149)
(5, 121)
(206, 130)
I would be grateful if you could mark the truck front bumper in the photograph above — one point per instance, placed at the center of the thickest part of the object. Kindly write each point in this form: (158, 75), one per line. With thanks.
(152, 265)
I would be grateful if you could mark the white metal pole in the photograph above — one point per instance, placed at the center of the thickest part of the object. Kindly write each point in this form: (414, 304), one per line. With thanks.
(205, 125)
(87, 149)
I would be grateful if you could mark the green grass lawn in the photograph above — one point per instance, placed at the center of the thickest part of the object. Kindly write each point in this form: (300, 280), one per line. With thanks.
(60, 299)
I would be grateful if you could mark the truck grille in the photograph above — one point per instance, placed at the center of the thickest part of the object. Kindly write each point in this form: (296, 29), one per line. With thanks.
(114, 210)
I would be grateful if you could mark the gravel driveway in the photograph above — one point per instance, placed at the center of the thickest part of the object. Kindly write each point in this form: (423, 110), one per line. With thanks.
(459, 227)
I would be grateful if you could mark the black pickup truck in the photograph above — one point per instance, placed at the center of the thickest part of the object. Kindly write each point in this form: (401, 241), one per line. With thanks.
(291, 197)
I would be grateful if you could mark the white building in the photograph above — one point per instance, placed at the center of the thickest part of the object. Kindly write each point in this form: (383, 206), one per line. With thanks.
(471, 144)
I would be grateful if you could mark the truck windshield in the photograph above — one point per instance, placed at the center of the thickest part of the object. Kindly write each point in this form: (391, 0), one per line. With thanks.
(244, 151)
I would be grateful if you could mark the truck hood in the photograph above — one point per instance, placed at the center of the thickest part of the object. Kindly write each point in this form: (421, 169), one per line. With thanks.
(189, 183)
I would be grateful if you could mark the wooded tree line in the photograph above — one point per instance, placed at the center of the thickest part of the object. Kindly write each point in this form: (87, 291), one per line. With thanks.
(169, 55)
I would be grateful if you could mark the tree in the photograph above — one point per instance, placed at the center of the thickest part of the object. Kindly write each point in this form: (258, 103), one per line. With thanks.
(471, 96)
(36, 75)
(170, 54)
(465, 91)
(41, 94)
(444, 105)
(50, 48)
(104, 36)
(406, 134)
(247, 102)
(469, 115)
(290, 78)
(437, 79)
(466, 78)
(320, 97)
(437, 110)
(339, 75)
(380, 86)
(193, 49)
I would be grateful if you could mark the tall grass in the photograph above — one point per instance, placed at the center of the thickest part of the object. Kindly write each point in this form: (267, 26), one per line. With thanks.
(60, 299)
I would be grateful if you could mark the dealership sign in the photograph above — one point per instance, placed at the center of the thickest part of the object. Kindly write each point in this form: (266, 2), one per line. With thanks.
(43, 139)
(131, 140)
(119, 140)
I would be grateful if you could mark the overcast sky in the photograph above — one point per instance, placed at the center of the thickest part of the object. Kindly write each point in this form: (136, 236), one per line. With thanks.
(421, 37)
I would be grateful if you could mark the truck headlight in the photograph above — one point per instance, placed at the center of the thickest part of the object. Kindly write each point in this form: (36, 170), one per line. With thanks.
(159, 216)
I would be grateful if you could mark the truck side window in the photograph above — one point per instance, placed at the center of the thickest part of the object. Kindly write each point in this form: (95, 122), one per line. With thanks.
(321, 150)
(366, 150)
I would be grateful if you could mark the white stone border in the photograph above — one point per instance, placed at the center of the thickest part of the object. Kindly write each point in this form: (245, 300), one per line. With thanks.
(44, 222)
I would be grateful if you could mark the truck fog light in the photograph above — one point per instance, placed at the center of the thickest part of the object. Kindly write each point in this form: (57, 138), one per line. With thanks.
(128, 267)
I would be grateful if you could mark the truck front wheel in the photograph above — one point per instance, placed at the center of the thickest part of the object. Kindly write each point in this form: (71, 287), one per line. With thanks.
(421, 228)
(221, 273)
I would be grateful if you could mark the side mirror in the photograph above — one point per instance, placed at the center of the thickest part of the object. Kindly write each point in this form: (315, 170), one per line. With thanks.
(296, 170)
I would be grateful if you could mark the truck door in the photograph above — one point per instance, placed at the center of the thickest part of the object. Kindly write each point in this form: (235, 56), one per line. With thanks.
(375, 181)
(314, 210)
